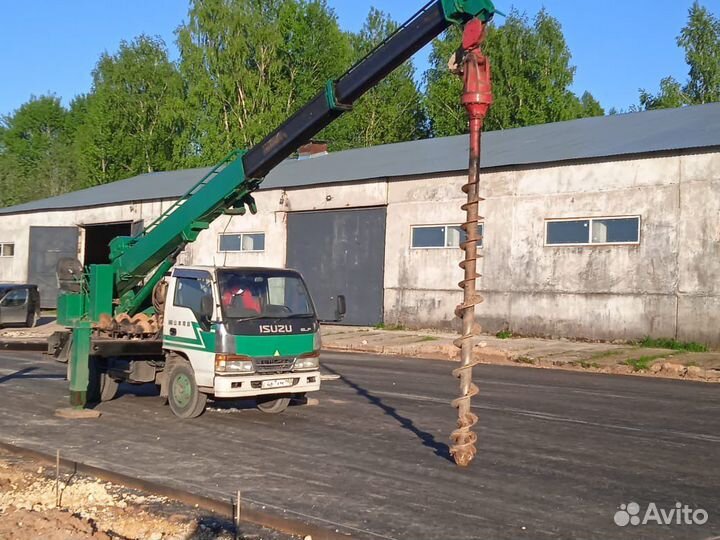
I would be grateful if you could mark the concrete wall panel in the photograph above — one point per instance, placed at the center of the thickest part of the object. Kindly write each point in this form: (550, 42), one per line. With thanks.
(699, 319)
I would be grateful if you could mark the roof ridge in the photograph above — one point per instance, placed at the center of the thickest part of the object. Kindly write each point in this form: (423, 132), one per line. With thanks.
(581, 138)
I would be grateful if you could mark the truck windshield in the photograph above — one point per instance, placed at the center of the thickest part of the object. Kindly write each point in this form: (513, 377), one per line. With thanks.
(255, 294)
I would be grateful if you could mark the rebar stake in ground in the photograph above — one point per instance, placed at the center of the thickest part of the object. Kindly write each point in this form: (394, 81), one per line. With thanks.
(477, 97)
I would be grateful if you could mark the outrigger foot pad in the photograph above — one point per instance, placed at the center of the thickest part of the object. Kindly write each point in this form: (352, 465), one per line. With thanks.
(71, 413)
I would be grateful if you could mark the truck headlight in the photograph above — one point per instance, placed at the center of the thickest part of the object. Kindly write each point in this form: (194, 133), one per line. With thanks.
(308, 362)
(231, 363)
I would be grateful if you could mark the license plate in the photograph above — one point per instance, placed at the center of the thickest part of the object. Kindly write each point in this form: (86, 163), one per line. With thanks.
(277, 383)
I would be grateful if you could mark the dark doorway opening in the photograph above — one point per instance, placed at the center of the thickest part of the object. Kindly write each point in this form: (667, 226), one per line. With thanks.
(97, 240)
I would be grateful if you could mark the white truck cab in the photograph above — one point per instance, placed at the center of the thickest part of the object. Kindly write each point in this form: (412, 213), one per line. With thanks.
(238, 333)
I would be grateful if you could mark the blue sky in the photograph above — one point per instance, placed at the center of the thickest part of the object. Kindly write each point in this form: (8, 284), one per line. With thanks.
(51, 46)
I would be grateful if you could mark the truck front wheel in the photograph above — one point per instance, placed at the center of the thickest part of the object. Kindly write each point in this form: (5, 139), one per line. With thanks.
(272, 404)
(184, 398)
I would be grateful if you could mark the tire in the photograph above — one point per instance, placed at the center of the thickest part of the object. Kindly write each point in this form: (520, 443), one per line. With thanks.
(184, 398)
(108, 387)
(32, 319)
(95, 376)
(101, 387)
(272, 404)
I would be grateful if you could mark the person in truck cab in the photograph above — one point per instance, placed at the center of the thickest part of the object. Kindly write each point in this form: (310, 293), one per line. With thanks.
(239, 294)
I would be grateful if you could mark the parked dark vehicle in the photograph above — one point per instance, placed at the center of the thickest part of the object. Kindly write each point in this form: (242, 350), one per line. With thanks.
(19, 305)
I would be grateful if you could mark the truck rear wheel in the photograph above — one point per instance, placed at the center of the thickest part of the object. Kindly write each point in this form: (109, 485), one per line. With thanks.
(101, 387)
(272, 404)
(184, 398)
(108, 387)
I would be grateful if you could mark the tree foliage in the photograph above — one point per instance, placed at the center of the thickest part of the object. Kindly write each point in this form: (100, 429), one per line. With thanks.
(244, 67)
(249, 64)
(392, 111)
(700, 38)
(532, 75)
(129, 122)
(35, 152)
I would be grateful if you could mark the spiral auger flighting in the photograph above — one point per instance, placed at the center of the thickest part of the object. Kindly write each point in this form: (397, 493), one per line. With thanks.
(477, 97)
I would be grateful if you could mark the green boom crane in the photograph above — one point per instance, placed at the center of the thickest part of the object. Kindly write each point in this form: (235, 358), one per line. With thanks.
(120, 294)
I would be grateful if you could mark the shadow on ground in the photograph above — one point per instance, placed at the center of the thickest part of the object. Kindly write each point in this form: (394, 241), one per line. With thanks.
(428, 439)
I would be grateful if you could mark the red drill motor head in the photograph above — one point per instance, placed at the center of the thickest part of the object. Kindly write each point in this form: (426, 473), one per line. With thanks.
(477, 93)
(473, 34)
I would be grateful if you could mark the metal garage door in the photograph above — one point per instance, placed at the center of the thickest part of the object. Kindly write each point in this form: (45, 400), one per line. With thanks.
(47, 245)
(341, 252)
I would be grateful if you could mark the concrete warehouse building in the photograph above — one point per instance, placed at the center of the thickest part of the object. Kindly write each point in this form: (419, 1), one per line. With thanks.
(597, 228)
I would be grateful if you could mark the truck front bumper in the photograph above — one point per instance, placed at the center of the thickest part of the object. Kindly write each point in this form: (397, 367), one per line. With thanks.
(238, 386)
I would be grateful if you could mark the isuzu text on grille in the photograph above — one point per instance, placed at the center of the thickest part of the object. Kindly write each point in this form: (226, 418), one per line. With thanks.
(276, 328)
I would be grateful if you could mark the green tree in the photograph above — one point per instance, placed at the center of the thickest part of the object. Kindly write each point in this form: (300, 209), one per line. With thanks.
(249, 64)
(670, 96)
(532, 76)
(700, 38)
(590, 106)
(443, 89)
(35, 152)
(393, 110)
(129, 122)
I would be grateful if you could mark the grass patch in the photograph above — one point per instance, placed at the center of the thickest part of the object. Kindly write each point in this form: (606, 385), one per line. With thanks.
(585, 364)
(525, 360)
(383, 326)
(640, 364)
(428, 338)
(668, 343)
(605, 354)
(504, 334)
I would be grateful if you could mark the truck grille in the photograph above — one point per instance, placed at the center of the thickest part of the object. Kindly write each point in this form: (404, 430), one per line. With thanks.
(274, 364)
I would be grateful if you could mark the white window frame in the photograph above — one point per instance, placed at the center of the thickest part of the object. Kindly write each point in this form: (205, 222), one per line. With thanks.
(590, 227)
(2, 249)
(241, 235)
(481, 227)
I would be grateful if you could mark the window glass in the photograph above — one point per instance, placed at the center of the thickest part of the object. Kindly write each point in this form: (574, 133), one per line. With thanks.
(615, 230)
(568, 232)
(189, 293)
(438, 236)
(423, 237)
(263, 293)
(456, 235)
(7, 250)
(230, 242)
(16, 297)
(242, 242)
(253, 242)
(290, 293)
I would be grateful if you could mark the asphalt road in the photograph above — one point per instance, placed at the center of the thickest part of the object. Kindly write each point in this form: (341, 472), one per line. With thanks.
(559, 451)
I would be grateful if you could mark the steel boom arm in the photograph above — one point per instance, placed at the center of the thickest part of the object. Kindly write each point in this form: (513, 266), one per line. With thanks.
(228, 186)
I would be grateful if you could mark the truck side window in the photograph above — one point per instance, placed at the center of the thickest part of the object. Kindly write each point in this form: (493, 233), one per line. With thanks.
(189, 293)
(15, 298)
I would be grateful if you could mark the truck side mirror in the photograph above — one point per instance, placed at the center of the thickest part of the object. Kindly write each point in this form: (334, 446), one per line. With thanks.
(340, 308)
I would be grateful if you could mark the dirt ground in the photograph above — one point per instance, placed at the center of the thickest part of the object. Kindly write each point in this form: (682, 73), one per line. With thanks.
(92, 509)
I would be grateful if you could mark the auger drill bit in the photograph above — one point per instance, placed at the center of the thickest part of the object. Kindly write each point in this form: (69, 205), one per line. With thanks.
(477, 98)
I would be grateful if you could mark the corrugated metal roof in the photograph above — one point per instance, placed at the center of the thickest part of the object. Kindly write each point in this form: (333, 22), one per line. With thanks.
(617, 135)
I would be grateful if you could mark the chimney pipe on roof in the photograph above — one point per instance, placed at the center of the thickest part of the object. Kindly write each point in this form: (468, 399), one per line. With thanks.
(312, 149)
